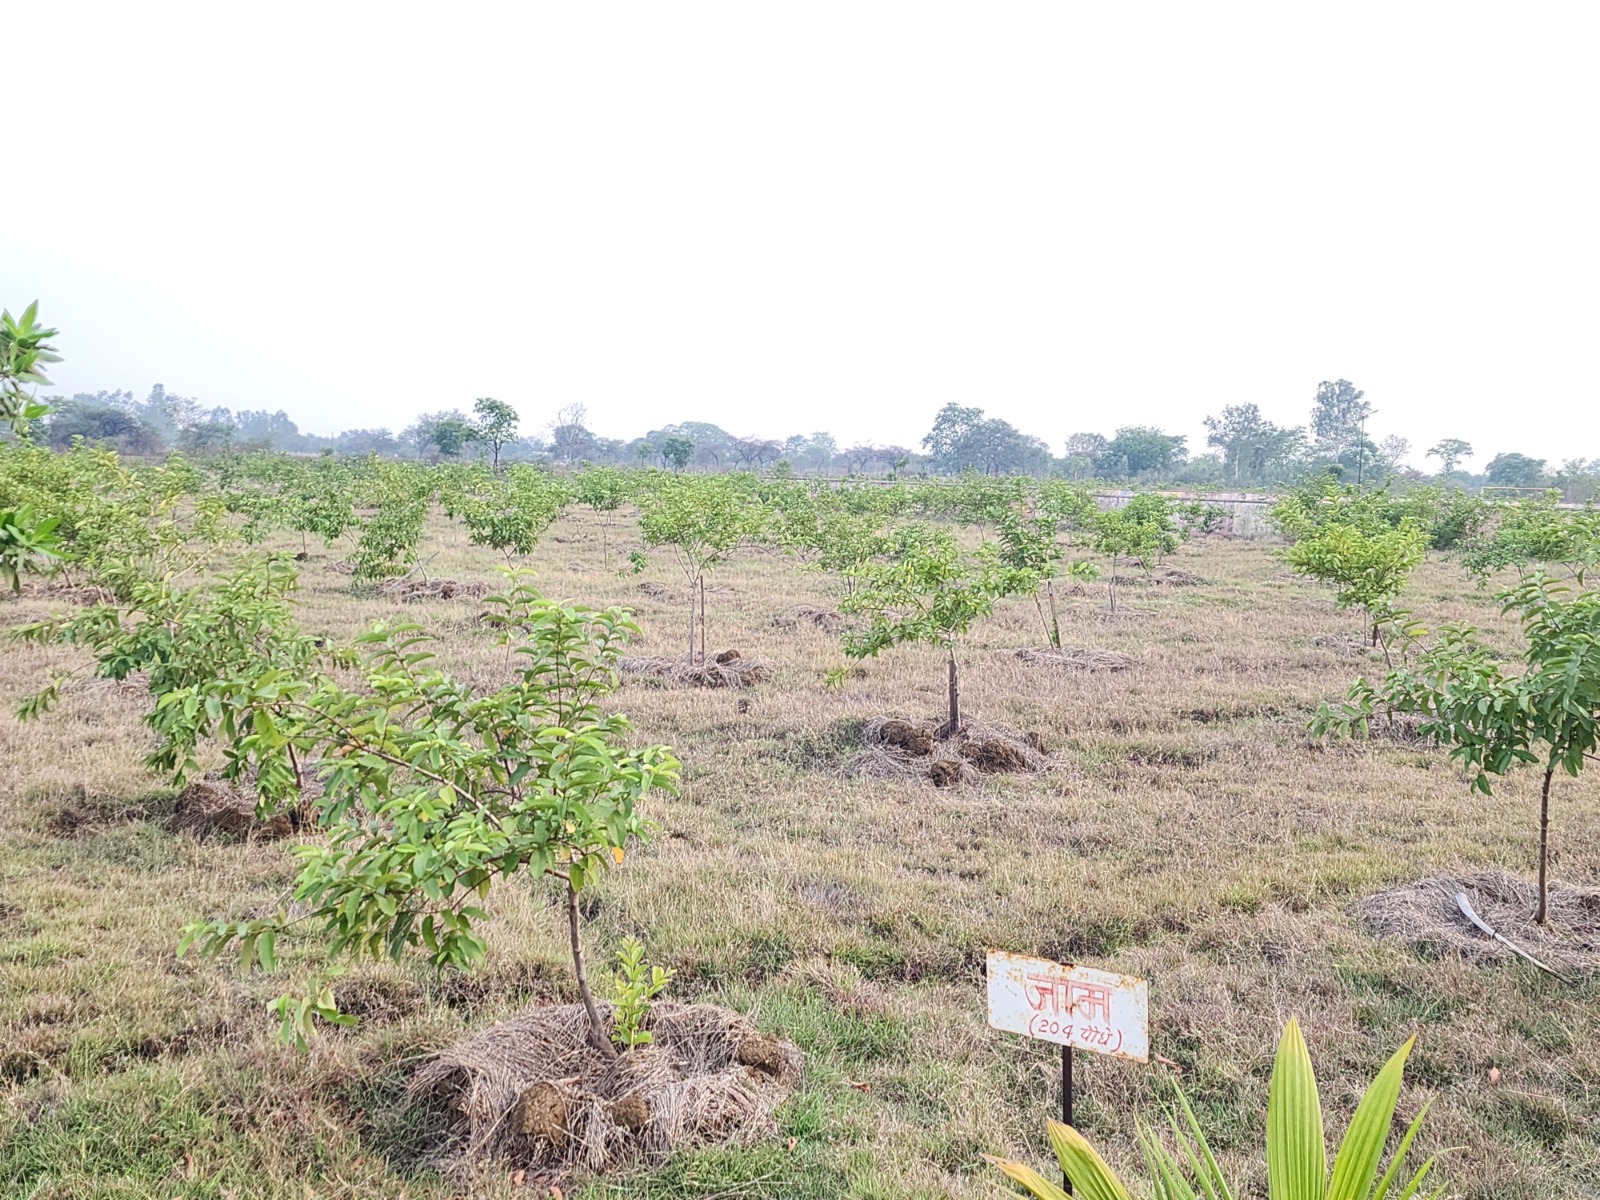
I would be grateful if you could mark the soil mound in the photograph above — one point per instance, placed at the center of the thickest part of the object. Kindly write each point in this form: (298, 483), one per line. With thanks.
(437, 589)
(656, 591)
(899, 749)
(1073, 659)
(807, 616)
(213, 807)
(1425, 915)
(534, 1093)
(727, 669)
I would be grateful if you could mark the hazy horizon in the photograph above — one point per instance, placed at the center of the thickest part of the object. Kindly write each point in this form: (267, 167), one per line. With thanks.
(834, 218)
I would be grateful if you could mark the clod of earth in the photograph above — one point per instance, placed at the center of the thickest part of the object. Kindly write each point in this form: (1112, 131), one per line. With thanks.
(533, 1092)
(903, 735)
(995, 754)
(764, 1052)
(894, 748)
(541, 1112)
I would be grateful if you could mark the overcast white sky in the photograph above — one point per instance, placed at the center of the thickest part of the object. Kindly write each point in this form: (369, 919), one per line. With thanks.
(819, 216)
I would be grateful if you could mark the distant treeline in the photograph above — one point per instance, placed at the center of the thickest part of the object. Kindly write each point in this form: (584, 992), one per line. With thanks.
(1243, 450)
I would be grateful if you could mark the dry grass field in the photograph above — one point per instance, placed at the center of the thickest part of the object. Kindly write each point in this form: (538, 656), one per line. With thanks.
(1190, 831)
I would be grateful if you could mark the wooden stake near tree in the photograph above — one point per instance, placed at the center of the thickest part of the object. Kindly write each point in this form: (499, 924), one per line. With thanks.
(1546, 715)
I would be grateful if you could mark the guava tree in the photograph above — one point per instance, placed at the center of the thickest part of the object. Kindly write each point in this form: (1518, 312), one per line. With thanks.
(433, 790)
(604, 490)
(494, 424)
(1029, 546)
(1547, 714)
(512, 514)
(387, 545)
(703, 519)
(1368, 567)
(1144, 529)
(28, 544)
(23, 351)
(1534, 535)
(183, 639)
(108, 513)
(925, 588)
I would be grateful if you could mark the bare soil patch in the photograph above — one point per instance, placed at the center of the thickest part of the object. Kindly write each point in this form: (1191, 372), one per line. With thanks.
(534, 1093)
(807, 616)
(1073, 659)
(728, 669)
(1425, 916)
(894, 748)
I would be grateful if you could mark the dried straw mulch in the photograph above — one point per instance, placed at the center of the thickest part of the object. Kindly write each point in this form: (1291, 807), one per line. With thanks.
(1073, 659)
(1171, 577)
(897, 749)
(1424, 915)
(807, 616)
(730, 669)
(534, 1093)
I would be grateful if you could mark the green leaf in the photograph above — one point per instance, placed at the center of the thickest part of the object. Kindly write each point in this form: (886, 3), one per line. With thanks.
(1356, 1164)
(1297, 1163)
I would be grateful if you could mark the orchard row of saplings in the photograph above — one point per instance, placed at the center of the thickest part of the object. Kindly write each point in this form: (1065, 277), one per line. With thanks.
(416, 819)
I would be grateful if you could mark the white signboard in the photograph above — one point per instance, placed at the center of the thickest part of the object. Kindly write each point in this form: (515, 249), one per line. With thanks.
(1099, 1011)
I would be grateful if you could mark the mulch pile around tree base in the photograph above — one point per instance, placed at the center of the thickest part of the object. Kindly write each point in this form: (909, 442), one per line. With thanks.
(1425, 916)
(437, 589)
(534, 1094)
(1072, 659)
(1171, 577)
(729, 669)
(806, 616)
(213, 807)
(899, 749)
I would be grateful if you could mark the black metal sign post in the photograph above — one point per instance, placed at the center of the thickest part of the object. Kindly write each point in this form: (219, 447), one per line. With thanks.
(1066, 1105)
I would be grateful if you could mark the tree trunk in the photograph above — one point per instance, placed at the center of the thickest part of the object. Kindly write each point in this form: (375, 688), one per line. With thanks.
(692, 584)
(954, 726)
(1055, 618)
(1544, 848)
(702, 618)
(1113, 584)
(597, 1033)
(301, 817)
